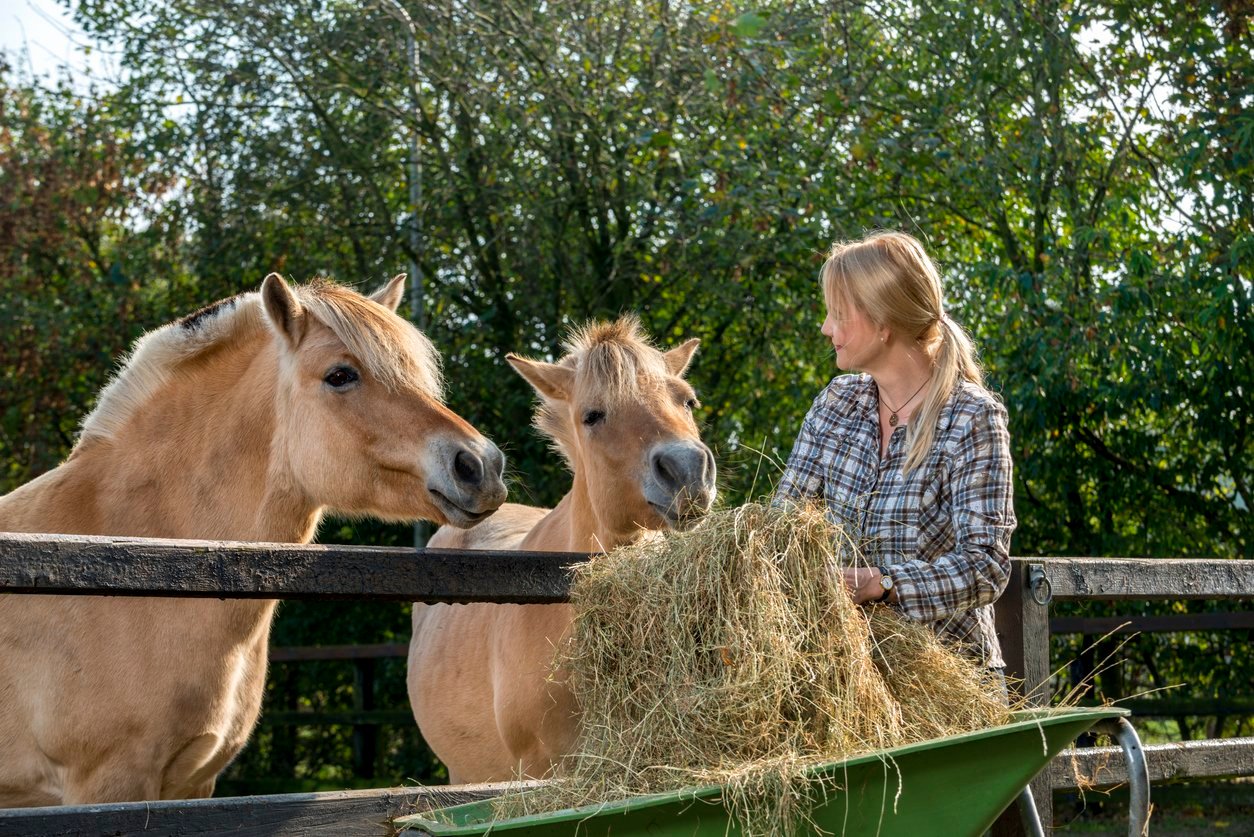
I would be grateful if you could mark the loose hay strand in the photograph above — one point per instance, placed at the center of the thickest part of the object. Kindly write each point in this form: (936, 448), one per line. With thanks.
(732, 654)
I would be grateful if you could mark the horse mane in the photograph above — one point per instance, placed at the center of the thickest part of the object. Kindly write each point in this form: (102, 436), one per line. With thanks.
(610, 359)
(391, 349)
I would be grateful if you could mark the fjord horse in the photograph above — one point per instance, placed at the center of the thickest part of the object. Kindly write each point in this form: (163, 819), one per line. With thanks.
(481, 677)
(243, 421)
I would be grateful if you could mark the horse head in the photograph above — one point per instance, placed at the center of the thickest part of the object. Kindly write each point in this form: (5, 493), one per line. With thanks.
(621, 413)
(360, 410)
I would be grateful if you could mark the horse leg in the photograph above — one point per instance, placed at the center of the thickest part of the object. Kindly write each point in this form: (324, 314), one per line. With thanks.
(113, 781)
(194, 770)
(204, 790)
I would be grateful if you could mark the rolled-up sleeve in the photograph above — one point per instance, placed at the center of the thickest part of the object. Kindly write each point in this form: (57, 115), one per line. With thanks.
(977, 569)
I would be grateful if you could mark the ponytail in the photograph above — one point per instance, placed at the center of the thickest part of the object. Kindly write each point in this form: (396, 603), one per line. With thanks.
(954, 361)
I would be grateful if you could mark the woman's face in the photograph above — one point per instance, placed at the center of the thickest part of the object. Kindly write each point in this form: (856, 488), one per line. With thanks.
(854, 337)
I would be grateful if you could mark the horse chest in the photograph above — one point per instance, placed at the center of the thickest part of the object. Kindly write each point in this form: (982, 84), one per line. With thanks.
(208, 682)
(536, 713)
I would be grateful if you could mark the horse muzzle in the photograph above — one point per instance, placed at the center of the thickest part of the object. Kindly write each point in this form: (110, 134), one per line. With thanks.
(470, 485)
(681, 485)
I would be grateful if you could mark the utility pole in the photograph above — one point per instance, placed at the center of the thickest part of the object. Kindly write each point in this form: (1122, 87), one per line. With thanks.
(417, 300)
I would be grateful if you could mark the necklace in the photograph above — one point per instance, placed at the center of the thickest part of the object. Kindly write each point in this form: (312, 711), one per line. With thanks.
(892, 414)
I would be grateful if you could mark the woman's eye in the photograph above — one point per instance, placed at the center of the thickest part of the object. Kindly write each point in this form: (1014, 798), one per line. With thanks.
(340, 377)
(593, 417)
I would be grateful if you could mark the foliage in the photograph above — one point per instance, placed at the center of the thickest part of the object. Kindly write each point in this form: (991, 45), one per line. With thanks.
(1082, 170)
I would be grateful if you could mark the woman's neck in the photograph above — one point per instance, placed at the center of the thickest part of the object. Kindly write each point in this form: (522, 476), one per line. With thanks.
(900, 376)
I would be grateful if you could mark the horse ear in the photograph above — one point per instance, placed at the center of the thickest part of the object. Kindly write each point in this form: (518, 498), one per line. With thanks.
(391, 294)
(678, 358)
(283, 308)
(549, 379)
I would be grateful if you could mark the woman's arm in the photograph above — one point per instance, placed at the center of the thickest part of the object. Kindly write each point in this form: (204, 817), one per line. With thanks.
(803, 475)
(981, 492)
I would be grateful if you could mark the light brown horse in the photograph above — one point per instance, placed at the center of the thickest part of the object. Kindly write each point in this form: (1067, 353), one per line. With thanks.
(243, 421)
(479, 679)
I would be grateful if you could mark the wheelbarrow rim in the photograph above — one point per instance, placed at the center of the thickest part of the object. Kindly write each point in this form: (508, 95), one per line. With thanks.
(711, 794)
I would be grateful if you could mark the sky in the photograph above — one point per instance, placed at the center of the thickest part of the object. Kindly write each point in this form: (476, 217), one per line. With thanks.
(39, 37)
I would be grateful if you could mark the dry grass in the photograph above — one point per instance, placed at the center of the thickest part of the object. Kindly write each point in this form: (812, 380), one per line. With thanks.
(733, 654)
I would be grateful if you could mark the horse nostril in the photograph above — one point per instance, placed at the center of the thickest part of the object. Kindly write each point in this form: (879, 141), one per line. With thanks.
(467, 468)
(665, 470)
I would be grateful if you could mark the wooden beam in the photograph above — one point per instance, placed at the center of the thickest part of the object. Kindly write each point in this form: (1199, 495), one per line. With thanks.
(344, 717)
(80, 565)
(1116, 579)
(316, 653)
(84, 565)
(1170, 707)
(1167, 623)
(1103, 767)
(1022, 625)
(345, 814)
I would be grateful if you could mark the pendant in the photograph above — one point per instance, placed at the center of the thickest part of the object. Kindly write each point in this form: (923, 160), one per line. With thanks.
(892, 419)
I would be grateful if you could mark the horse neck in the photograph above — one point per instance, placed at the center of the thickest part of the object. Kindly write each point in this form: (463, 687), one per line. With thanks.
(201, 459)
(575, 526)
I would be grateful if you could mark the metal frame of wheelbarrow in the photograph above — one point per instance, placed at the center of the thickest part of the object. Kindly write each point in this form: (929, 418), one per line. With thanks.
(1138, 781)
(985, 761)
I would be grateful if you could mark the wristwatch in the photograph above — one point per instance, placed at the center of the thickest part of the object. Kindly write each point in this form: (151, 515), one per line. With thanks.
(886, 584)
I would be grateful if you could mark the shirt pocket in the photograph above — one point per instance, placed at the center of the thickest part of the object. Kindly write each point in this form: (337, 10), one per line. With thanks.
(894, 522)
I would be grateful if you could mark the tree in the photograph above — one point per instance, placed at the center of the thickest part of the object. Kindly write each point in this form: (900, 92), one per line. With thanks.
(1081, 169)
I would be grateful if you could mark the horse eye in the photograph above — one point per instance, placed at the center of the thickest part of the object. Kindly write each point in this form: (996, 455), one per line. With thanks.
(340, 377)
(593, 417)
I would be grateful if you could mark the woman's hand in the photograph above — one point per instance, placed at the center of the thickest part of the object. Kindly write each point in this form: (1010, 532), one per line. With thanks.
(864, 584)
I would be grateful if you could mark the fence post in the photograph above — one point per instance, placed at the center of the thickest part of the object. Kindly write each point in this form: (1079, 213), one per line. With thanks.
(1023, 631)
(365, 736)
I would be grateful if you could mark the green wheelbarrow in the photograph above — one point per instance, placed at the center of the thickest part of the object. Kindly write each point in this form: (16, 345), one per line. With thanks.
(954, 785)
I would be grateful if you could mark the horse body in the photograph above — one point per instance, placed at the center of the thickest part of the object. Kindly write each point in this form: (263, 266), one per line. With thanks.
(242, 422)
(482, 681)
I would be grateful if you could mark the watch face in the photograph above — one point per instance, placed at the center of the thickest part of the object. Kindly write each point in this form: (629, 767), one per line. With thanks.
(886, 582)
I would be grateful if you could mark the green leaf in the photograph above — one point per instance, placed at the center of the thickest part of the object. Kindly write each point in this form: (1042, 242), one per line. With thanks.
(748, 25)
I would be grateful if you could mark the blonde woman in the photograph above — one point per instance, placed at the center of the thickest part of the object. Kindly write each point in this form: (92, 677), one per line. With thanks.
(912, 453)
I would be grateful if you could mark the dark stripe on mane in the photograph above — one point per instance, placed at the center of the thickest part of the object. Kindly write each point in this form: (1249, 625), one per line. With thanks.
(193, 320)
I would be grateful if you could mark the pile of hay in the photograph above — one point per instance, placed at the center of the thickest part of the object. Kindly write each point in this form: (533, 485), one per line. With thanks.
(733, 654)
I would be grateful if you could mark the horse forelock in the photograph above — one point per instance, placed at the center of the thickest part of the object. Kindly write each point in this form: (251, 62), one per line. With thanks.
(614, 362)
(391, 349)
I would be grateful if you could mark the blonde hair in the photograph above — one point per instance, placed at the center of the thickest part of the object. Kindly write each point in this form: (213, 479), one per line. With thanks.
(890, 278)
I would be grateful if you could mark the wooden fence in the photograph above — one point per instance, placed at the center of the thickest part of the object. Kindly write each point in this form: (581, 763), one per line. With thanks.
(1024, 626)
(67, 565)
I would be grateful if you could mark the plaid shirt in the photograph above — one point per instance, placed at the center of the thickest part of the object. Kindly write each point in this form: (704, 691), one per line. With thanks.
(943, 533)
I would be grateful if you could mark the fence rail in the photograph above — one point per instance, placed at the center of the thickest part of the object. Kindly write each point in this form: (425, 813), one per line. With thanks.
(80, 565)
(1024, 626)
(86, 566)
(367, 813)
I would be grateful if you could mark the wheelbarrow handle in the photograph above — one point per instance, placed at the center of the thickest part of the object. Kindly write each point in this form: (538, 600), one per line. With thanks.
(1138, 782)
(1138, 772)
